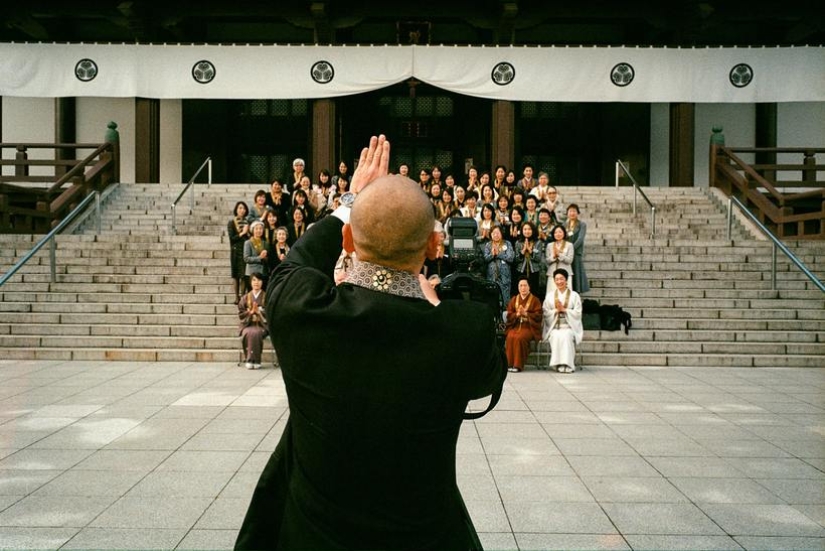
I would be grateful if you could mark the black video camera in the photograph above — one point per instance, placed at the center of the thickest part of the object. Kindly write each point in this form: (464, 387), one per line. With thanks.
(463, 283)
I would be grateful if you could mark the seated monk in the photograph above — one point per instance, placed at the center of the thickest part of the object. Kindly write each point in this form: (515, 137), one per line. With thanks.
(523, 325)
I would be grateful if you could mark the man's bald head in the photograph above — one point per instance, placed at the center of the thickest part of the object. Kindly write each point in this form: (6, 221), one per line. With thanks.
(391, 222)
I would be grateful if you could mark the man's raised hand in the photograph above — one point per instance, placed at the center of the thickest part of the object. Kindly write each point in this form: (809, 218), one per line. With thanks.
(373, 163)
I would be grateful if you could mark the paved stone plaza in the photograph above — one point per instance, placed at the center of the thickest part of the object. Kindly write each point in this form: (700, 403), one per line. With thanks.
(128, 455)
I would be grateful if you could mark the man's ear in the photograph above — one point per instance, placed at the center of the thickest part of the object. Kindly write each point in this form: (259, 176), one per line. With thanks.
(432, 245)
(347, 243)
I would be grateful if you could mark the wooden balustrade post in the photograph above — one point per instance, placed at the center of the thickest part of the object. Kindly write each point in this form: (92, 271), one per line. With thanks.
(809, 174)
(22, 154)
(5, 215)
(42, 223)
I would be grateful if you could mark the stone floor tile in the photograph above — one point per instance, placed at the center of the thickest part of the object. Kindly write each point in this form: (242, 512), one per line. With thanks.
(189, 412)
(90, 434)
(572, 542)
(19, 439)
(594, 446)
(529, 465)
(239, 426)
(54, 410)
(802, 448)
(159, 434)
(240, 412)
(225, 513)
(543, 489)
(660, 519)
(516, 430)
(741, 448)
(509, 416)
(780, 543)
(210, 461)
(125, 539)
(181, 484)
(570, 406)
(223, 442)
(127, 412)
(499, 541)
(567, 418)
(123, 460)
(776, 467)
(488, 515)
(708, 467)
(22, 482)
(504, 445)
(694, 418)
(7, 501)
(35, 538)
(209, 540)
(762, 520)
(153, 512)
(813, 512)
(556, 430)
(91, 483)
(472, 463)
(477, 487)
(54, 511)
(797, 491)
(256, 461)
(664, 447)
(586, 465)
(550, 518)
(38, 459)
(682, 543)
(609, 489)
(662, 431)
(725, 490)
(242, 485)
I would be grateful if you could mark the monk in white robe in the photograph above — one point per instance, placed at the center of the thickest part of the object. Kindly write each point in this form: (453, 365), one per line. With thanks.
(562, 323)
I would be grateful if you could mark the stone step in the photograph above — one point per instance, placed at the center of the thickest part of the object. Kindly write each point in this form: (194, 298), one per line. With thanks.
(140, 355)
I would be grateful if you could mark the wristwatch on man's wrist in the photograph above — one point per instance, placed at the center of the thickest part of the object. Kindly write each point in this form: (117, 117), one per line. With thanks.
(348, 198)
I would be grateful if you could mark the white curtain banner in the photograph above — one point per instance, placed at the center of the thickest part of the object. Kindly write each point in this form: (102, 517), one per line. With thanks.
(515, 73)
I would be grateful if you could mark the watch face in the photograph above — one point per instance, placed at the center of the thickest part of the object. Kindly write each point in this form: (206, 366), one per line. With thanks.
(347, 199)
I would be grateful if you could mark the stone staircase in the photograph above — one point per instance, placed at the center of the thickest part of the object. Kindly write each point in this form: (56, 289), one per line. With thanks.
(138, 292)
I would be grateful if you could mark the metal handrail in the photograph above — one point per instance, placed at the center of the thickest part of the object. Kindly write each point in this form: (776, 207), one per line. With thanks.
(637, 189)
(777, 244)
(191, 185)
(50, 238)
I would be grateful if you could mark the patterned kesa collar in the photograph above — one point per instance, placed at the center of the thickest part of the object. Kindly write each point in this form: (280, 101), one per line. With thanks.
(386, 280)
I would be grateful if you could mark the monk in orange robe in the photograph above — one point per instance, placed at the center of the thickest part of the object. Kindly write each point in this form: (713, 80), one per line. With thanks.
(524, 317)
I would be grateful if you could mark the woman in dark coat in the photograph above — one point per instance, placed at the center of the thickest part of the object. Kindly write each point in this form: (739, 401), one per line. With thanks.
(238, 231)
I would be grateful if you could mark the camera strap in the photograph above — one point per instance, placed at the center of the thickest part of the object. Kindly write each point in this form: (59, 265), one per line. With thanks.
(494, 398)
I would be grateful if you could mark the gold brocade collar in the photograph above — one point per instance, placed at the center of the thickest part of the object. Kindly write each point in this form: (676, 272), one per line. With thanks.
(386, 280)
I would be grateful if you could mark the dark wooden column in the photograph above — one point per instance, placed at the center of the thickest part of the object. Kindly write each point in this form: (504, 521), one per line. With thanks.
(766, 136)
(503, 147)
(147, 140)
(323, 136)
(65, 130)
(682, 130)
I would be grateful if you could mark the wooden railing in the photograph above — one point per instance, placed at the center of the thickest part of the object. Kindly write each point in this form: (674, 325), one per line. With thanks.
(35, 203)
(791, 208)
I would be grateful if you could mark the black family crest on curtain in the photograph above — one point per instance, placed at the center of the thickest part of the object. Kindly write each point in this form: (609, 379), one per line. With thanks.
(203, 72)
(503, 73)
(622, 74)
(322, 72)
(741, 75)
(85, 70)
